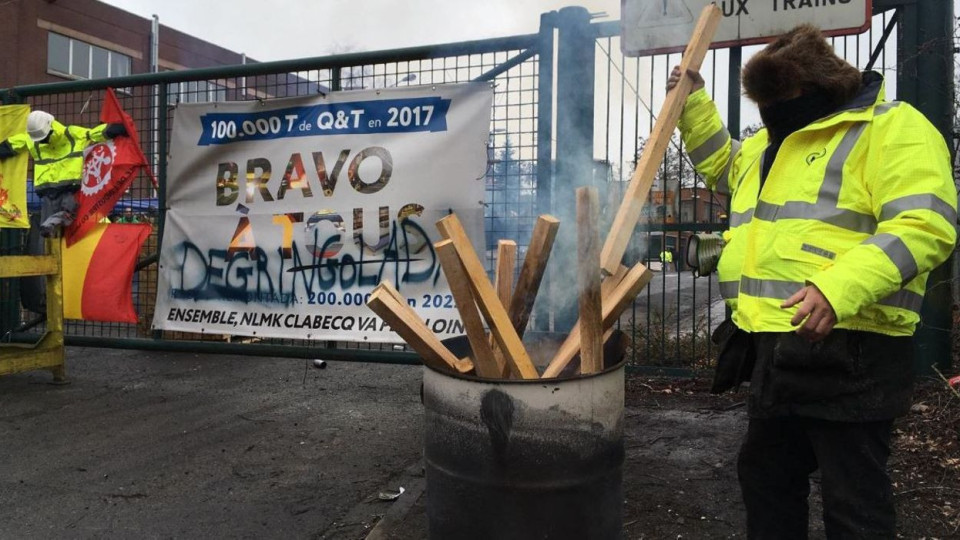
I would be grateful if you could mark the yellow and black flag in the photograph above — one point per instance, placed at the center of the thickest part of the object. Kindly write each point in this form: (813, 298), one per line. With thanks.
(13, 171)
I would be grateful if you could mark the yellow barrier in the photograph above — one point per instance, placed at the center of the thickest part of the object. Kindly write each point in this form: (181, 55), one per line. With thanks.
(48, 352)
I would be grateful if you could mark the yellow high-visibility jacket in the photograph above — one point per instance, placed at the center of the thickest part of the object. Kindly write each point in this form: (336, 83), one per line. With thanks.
(59, 162)
(861, 204)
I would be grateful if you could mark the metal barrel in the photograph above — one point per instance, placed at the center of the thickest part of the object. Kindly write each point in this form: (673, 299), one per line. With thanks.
(515, 459)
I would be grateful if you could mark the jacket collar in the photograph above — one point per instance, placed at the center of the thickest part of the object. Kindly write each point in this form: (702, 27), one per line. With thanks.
(871, 93)
(858, 109)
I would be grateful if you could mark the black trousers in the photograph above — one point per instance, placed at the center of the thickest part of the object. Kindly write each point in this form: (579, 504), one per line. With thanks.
(776, 460)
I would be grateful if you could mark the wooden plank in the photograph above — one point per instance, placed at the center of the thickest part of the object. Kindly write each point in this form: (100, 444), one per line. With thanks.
(506, 264)
(614, 304)
(388, 287)
(531, 274)
(588, 281)
(463, 365)
(496, 315)
(610, 283)
(503, 283)
(607, 287)
(483, 359)
(28, 265)
(409, 326)
(643, 176)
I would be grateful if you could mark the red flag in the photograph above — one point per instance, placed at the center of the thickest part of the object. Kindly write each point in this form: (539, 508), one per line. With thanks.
(108, 170)
(98, 273)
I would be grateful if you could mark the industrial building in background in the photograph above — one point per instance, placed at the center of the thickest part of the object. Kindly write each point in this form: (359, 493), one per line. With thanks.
(53, 41)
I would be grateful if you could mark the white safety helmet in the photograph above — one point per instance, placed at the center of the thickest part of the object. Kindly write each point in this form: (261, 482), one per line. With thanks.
(39, 124)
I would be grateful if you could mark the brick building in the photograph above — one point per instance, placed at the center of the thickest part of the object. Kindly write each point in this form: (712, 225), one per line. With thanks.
(49, 41)
(58, 40)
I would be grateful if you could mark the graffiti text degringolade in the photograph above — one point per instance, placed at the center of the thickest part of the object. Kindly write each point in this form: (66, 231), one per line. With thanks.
(256, 276)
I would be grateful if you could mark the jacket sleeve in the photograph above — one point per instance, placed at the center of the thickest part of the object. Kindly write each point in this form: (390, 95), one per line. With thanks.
(709, 145)
(914, 199)
(89, 135)
(18, 143)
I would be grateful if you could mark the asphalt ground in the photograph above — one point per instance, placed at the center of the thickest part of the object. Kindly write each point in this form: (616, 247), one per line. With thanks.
(179, 445)
(161, 445)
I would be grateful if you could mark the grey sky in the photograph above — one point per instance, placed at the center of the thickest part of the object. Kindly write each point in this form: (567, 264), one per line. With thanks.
(283, 29)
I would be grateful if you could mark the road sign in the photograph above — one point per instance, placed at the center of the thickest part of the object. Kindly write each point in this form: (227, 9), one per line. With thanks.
(659, 26)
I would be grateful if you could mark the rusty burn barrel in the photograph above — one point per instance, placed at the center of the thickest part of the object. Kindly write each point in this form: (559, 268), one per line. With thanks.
(512, 459)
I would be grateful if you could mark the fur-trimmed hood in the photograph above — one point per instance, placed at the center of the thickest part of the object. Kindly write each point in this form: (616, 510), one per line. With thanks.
(800, 60)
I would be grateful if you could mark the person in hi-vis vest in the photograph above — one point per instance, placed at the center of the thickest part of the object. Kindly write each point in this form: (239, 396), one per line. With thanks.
(666, 260)
(57, 152)
(840, 208)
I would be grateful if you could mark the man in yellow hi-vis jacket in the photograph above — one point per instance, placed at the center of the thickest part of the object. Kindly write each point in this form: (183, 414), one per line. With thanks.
(57, 152)
(840, 207)
(666, 260)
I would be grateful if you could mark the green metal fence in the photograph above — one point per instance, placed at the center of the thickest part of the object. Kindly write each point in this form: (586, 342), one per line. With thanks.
(538, 154)
(510, 64)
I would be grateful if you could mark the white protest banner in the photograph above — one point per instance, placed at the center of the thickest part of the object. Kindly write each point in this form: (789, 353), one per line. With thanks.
(285, 214)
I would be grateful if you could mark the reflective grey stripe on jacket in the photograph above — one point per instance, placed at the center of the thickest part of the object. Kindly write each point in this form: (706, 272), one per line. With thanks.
(920, 201)
(898, 253)
(48, 161)
(740, 218)
(711, 146)
(781, 290)
(825, 208)
(723, 182)
(729, 289)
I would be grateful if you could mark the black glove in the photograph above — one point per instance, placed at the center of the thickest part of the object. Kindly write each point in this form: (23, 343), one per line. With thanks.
(6, 150)
(735, 359)
(115, 130)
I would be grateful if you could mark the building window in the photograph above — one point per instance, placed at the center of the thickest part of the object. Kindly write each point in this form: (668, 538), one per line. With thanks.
(195, 92)
(75, 58)
(687, 211)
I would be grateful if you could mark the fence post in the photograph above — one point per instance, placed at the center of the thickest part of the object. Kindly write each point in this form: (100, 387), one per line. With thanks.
(733, 92)
(733, 125)
(162, 144)
(925, 80)
(574, 166)
(548, 23)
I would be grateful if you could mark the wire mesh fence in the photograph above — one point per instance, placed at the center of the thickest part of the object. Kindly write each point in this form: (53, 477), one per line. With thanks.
(669, 323)
(509, 65)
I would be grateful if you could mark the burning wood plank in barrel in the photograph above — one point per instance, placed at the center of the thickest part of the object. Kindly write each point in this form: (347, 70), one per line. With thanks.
(588, 281)
(613, 305)
(493, 311)
(482, 354)
(405, 322)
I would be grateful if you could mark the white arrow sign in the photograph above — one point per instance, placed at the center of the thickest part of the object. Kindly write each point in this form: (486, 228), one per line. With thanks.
(659, 26)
